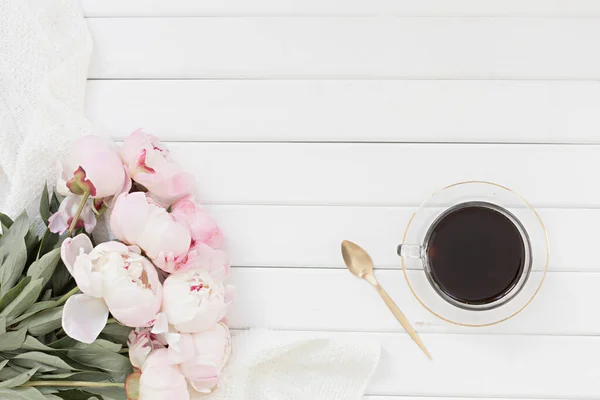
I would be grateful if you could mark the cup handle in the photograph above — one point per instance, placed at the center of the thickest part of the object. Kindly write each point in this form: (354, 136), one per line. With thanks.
(410, 251)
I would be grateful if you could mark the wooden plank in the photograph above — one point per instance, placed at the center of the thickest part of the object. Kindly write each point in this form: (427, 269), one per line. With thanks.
(386, 174)
(480, 366)
(350, 110)
(503, 365)
(135, 8)
(294, 236)
(333, 299)
(349, 47)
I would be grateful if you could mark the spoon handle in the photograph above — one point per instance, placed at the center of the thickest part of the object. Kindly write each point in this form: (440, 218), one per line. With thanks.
(401, 318)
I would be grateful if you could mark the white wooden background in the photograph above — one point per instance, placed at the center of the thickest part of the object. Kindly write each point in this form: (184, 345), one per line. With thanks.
(312, 121)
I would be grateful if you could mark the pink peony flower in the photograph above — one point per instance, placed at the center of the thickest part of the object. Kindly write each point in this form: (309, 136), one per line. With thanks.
(215, 262)
(60, 221)
(194, 302)
(150, 165)
(160, 380)
(93, 165)
(202, 226)
(141, 342)
(204, 356)
(112, 278)
(136, 219)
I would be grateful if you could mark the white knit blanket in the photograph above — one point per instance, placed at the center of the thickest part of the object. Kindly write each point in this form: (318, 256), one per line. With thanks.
(45, 50)
(273, 365)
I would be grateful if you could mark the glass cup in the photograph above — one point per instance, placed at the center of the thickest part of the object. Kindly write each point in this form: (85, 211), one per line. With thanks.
(416, 264)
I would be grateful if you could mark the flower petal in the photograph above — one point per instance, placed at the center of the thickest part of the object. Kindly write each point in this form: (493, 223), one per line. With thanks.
(140, 347)
(161, 325)
(132, 306)
(84, 317)
(127, 184)
(71, 248)
(129, 217)
(181, 347)
(89, 219)
(160, 380)
(229, 294)
(57, 223)
(206, 386)
(61, 179)
(89, 281)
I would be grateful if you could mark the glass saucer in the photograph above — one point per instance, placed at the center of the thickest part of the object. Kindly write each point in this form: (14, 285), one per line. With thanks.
(415, 236)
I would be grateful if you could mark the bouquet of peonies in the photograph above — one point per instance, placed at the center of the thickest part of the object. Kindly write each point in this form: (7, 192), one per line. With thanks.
(156, 288)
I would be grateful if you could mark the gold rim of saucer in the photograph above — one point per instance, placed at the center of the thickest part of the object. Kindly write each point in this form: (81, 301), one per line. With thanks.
(404, 270)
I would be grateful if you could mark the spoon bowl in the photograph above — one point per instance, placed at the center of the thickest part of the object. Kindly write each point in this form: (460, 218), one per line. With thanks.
(359, 263)
(357, 260)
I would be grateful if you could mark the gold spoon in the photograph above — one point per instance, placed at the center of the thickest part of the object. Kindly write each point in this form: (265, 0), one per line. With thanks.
(360, 264)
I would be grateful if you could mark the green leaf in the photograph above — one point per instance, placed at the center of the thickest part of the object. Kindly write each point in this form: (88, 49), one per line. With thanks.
(48, 391)
(45, 266)
(12, 294)
(23, 301)
(45, 205)
(47, 295)
(55, 202)
(77, 394)
(117, 365)
(30, 364)
(110, 392)
(34, 309)
(43, 322)
(3, 364)
(64, 343)
(80, 368)
(17, 232)
(52, 397)
(2, 325)
(31, 242)
(18, 380)
(48, 242)
(116, 333)
(44, 358)
(12, 340)
(5, 220)
(21, 394)
(105, 344)
(10, 371)
(60, 280)
(12, 266)
(32, 343)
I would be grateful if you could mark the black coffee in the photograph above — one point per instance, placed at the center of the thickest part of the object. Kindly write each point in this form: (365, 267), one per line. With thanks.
(476, 254)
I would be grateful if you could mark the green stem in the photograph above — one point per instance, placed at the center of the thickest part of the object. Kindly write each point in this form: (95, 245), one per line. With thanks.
(73, 384)
(84, 199)
(63, 299)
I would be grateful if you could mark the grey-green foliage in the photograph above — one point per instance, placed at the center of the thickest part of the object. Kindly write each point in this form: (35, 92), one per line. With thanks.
(33, 348)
